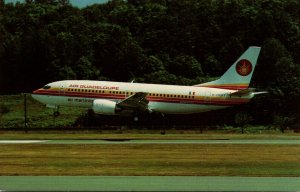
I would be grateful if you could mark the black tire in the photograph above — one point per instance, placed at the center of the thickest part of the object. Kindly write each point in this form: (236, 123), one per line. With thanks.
(56, 113)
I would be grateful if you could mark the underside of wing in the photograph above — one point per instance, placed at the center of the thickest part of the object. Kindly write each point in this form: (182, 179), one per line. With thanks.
(136, 101)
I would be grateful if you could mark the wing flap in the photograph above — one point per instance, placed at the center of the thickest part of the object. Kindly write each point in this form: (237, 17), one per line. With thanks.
(136, 101)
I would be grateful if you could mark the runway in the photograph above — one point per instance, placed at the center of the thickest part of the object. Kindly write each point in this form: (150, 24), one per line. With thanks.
(145, 183)
(124, 142)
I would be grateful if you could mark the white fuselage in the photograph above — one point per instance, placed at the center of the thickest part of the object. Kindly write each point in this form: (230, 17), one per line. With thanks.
(167, 99)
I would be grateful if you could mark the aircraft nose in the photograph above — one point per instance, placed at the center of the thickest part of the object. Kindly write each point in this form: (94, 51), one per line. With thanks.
(35, 91)
(35, 95)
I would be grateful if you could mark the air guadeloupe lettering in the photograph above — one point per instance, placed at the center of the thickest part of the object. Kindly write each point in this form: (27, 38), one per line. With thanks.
(93, 87)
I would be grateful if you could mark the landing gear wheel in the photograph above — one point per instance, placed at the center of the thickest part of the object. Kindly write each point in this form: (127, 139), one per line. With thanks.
(56, 113)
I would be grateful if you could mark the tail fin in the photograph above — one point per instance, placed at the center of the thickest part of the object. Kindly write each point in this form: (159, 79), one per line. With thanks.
(239, 75)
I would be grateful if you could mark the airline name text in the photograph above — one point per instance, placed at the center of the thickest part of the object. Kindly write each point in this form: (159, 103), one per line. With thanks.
(93, 87)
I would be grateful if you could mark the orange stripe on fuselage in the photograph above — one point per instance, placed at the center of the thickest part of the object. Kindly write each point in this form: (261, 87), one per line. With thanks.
(226, 86)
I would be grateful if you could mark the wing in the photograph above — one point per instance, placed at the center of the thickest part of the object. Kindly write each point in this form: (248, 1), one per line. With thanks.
(136, 101)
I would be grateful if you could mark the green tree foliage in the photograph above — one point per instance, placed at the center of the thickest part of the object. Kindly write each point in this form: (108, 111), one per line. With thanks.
(186, 66)
(85, 70)
(154, 41)
(242, 119)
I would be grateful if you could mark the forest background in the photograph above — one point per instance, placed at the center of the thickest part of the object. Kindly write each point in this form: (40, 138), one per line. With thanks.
(155, 41)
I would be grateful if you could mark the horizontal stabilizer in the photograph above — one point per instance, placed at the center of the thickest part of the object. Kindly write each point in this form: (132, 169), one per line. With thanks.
(262, 92)
(243, 92)
(249, 91)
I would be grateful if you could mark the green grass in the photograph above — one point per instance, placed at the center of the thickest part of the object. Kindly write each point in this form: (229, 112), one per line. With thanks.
(38, 115)
(156, 159)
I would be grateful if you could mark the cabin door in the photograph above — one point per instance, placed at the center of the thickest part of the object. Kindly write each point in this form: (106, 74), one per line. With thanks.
(62, 90)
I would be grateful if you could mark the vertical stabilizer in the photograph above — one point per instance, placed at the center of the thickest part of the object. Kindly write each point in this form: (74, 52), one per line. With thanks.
(239, 75)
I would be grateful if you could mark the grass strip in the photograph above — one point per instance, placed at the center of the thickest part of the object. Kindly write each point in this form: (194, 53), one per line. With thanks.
(156, 159)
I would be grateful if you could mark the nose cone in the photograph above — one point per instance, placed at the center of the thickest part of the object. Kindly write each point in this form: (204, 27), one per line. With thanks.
(35, 94)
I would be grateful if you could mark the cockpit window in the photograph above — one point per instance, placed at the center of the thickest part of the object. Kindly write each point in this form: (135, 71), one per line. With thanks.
(46, 87)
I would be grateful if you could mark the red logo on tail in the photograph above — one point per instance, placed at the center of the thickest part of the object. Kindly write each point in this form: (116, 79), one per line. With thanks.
(243, 67)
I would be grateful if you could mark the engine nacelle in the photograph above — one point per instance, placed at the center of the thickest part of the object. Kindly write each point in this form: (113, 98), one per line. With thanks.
(105, 107)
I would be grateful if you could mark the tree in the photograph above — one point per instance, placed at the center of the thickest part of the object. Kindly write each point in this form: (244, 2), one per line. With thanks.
(186, 66)
(242, 119)
(85, 70)
(282, 122)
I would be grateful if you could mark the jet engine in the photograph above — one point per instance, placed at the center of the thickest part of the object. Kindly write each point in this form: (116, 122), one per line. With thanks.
(105, 107)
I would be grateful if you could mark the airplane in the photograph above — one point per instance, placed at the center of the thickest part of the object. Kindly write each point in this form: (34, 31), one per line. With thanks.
(123, 98)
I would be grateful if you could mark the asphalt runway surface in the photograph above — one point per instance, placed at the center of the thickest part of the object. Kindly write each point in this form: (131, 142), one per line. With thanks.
(149, 183)
(254, 141)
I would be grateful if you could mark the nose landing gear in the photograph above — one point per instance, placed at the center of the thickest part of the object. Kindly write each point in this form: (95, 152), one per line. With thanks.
(56, 111)
(55, 114)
